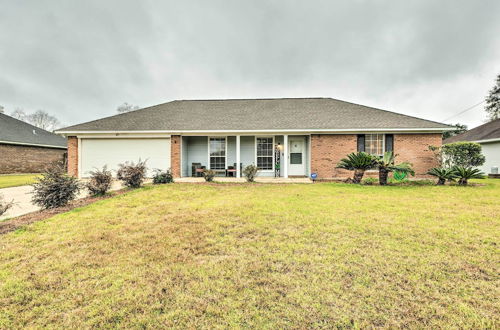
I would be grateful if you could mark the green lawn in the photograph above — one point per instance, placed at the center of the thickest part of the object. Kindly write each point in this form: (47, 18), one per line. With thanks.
(14, 180)
(254, 255)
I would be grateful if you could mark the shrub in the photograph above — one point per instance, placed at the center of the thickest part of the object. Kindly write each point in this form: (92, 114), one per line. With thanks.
(4, 205)
(55, 188)
(443, 174)
(100, 182)
(358, 162)
(163, 177)
(400, 182)
(209, 175)
(387, 164)
(369, 181)
(464, 154)
(131, 174)
(407, 182)
(465, 173)
(250, 172)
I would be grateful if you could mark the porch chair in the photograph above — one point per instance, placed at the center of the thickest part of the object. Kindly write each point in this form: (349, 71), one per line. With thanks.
(197, 170)
(231, 170)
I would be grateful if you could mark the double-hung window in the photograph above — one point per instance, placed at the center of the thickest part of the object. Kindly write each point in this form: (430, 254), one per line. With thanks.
(217, 152)
(374, 144)
(265, 153)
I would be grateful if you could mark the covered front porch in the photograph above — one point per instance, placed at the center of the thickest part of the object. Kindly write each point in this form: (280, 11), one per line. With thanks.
(276, 156)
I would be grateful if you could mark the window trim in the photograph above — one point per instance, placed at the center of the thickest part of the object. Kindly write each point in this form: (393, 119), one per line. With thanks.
(255, 151)
(208, 151)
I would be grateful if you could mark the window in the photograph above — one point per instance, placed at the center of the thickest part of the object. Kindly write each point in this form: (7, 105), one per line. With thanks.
(217, 149)
(265, 153)
(374, 144)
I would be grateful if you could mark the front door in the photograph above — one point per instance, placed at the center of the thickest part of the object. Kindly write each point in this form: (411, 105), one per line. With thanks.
(296, 159)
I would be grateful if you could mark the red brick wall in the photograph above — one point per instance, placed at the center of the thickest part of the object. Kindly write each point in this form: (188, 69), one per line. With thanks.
(175, 155)
(328, 149)
(73, 155)
(414, 148)
(27, 159)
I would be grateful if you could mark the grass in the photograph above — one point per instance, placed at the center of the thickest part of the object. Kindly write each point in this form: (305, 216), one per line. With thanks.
(265, 256)
(14, 180)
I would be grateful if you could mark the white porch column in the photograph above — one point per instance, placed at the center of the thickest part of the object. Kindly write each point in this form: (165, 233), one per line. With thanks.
(284, 166)
(238, 171)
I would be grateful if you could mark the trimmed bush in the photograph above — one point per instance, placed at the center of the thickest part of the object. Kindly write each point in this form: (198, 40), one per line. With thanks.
(132, 175)
(209, 175)
(4, 205)
(250, 172)
(55, 188)
(464, 154)
(162, 177)
(100, 182)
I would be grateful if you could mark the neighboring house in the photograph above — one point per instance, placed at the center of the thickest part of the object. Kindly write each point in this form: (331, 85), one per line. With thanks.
(299, 136)
(25, 148)
(488, 135)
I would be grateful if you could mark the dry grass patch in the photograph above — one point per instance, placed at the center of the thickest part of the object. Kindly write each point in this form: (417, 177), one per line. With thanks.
(318, 255)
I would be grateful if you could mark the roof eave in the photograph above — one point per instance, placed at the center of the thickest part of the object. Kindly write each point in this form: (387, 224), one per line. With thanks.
(311, 131)
(33, 144)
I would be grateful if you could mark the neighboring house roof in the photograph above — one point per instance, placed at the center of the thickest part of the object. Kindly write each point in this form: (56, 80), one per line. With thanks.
(488, 131)
(14, 131)
(256, 114)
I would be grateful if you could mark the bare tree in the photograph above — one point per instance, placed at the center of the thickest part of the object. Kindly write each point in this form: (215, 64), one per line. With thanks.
(2, 109)
(18, 113)
(125, 107)
(43, 120)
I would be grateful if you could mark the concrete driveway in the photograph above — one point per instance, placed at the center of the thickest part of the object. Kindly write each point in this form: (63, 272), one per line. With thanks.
(22, 199)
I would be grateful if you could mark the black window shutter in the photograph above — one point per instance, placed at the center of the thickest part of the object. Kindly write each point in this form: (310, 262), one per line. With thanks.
(361, 142)
(389, 142)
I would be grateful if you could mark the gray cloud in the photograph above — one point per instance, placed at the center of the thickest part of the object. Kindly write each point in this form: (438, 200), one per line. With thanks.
(81, 59)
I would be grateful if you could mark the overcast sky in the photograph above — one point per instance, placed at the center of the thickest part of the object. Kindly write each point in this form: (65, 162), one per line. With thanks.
(79, 60)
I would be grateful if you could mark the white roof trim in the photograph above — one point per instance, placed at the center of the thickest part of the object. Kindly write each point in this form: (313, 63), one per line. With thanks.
(344, 130)
(33, 144)
(488, 140)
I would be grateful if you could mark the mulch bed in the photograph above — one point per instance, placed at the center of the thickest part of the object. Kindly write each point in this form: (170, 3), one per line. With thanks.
(26, 219)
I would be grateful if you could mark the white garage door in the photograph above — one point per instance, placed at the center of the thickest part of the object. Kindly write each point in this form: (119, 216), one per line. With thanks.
(95, 153)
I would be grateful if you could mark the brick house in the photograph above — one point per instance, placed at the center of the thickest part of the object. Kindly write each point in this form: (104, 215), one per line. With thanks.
(283, 137)
(25, 148)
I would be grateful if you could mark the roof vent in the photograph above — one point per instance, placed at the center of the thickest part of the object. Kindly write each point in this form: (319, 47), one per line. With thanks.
(34, 132)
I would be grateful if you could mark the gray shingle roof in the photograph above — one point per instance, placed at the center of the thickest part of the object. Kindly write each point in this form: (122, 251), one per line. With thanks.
(486, 131)
(256, 114)
(19, 132)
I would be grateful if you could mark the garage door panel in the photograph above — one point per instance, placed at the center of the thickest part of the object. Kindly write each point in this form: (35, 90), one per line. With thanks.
(95, 153)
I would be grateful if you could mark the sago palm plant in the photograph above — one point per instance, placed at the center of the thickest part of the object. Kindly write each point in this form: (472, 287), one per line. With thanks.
(443, 174)
(386, 164)
(465, 173)
(358, 162)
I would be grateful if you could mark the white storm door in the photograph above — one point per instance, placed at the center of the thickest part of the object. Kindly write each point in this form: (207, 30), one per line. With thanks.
(296, 157)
